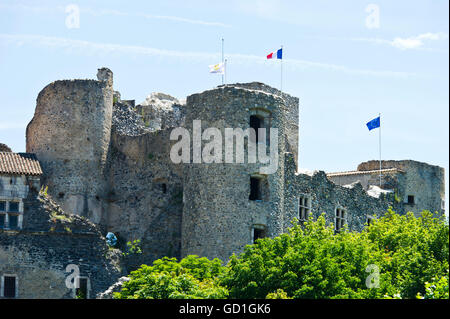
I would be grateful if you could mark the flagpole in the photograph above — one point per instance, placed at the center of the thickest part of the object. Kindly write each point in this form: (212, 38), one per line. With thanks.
(380, 145)
(225, 71)
(281, 66)
(222, 58)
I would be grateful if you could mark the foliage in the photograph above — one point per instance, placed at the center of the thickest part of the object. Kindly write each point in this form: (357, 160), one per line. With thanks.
(133, 247)
(437, 289)
(415, 249)
(54, 216)
(279, 294)
(191, 278)
(43, 191)
(314, 262)
(394, 257)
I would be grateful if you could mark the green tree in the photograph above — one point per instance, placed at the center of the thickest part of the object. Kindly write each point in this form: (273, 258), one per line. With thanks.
(191, 278)
(437, 289)
(315, 262)
(415, 249)
(393, 257)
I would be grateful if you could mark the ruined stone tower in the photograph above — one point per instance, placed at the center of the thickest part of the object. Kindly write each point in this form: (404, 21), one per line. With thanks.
(70, 134)
(228, 205)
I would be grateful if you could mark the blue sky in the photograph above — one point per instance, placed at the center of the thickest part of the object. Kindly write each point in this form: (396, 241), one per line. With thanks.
(345, 65)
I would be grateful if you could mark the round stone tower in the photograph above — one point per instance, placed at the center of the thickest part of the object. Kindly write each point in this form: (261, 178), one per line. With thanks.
(70, 134)
(227, 204)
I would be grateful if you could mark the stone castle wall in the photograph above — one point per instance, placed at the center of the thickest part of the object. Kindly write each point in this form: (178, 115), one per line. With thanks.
(39, 253)
(70, 134)
(326, 196)
(218, 216)
(412, 178)
(145, 194)
(109, 160)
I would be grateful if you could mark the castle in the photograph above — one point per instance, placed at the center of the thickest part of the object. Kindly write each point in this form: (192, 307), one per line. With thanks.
(105, 166)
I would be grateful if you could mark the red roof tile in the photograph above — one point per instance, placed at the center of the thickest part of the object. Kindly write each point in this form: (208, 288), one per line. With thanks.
(19, 163)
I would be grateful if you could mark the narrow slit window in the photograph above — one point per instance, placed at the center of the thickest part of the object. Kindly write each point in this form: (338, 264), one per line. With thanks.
(9, 286)
(255, 189)
(2, 206)
(255, 123)
(82, 290)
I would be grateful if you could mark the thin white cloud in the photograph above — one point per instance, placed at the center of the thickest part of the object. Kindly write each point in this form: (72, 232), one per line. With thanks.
(415, 42)
(104, 12)
(92, 48)
(153, 16)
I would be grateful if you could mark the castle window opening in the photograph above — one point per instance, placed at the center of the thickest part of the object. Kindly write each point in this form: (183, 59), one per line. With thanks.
(82, 292)
(2, 221)
(13, 207)
(2, 206)
(255, 189)
(9, 286)
(341, 218)
(304, 207)
(164, 188)
(13, 221)
(411, 199)
(256, 122)
(259, 188)
(259, 231)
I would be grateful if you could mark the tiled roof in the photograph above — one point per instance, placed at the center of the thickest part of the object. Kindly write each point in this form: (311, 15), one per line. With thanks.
(384, 170)
(19, 163)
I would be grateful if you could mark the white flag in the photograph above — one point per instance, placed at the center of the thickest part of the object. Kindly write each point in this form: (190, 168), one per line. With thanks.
(217, 68)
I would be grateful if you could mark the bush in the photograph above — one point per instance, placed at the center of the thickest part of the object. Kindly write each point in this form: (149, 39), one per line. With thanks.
(395, 257)
(191, 278)
(313, 262)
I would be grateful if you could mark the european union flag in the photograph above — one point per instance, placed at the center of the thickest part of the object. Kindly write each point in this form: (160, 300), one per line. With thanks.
(374, 123)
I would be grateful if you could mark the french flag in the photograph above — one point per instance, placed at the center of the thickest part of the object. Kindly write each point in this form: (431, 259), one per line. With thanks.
(279, 54)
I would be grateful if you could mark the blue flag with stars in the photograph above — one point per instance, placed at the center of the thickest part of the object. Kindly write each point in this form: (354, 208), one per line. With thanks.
(374, 123)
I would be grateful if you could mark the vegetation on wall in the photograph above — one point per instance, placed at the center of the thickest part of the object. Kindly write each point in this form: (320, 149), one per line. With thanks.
(394, 257)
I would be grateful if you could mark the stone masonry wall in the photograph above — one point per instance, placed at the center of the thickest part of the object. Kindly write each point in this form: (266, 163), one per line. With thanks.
(218, 216)
(145, 194)
(70, 134)
(326, 196)
(50, 239)
(423, 181)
